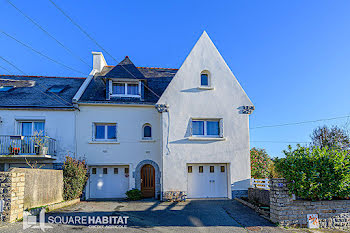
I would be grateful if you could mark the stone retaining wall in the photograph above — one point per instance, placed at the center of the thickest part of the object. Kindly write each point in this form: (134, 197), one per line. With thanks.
(289, 212)
(261, 196)
(12, 195)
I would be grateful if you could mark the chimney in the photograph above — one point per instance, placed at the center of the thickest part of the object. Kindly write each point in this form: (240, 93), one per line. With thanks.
(98, 61)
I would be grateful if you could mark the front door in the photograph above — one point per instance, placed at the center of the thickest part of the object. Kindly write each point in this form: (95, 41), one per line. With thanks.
(147, 181)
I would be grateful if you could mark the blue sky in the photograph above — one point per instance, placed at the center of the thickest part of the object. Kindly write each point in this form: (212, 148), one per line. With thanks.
(291, 57)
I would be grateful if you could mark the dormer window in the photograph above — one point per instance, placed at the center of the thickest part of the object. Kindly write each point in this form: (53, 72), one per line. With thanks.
(126, 89)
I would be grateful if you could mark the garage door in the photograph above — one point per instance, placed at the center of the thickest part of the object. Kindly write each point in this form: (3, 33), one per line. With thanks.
(207, 180)
(109, 181)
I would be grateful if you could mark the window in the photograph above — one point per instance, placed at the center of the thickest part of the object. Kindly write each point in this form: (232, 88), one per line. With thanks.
(222, 168)
(115, 170)
(32, 128)
(207, 128)
(56, 89)
(189, 169)
(105, 170)
(205, 78)
(126, 89)
(211, 169)
(200, 169)
(5, 88)
(147, 132)
(93, 170)
(126, 170)
(105, 131)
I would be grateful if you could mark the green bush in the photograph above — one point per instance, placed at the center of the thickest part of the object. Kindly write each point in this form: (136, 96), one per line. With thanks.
(134, 194)
(316, 174)
(74, 178)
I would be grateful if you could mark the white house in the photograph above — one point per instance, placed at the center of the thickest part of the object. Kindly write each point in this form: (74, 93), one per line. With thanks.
(37, 120)
(165, 131)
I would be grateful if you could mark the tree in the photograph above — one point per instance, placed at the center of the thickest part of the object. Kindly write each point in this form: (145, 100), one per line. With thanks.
(75, 175)
(260, 163)
(334, 137)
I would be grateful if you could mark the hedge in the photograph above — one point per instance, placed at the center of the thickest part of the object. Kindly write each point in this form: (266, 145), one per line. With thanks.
(316, 174)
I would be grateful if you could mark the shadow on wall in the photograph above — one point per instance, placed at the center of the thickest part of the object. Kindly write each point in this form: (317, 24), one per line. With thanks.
(194, 213)
(241, 185)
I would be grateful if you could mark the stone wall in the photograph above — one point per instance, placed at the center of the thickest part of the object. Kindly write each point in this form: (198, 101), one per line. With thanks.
(261, 196)
(289, 212)
(42, 186)
(12, 195)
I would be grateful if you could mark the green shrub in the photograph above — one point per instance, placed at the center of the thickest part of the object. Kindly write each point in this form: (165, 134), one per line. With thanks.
(134, 194)
(316, 174)
(74, 178)
(260, 163)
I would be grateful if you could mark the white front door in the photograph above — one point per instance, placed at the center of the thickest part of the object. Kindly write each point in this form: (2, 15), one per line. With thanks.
(108, 181)
(206, 180)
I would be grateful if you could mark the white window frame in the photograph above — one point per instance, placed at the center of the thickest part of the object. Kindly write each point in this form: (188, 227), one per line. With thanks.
(143, 132)
(106, 132)
(111, 82)
(19, 126)
(205, 135)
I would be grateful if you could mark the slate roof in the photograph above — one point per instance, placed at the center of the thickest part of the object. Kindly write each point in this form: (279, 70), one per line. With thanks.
(32, 91)
(155, 82)
(125, 69)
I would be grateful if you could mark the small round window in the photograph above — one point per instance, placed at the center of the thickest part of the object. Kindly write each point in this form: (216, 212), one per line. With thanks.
(205, 78)
(147, 131)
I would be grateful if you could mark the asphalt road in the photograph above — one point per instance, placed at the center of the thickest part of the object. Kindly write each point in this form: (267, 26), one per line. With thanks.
(154, 216)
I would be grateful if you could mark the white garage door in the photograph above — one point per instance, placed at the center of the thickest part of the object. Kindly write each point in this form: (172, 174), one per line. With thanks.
(109, 181)
(207, 180)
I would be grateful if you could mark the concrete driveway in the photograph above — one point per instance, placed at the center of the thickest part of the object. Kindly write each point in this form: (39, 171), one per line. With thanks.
(154, 216)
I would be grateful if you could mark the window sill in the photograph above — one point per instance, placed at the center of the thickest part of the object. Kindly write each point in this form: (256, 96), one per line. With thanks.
(126, 96)
(206, 139)
(147, 140)
(104, 142)
(205, 88)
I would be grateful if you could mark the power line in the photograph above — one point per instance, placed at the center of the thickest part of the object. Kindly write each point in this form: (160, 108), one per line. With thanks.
(8, 62)
(299, 123)
(279, 142)
(47, 33)
(93, 40)
(5, 69)
(81, 29)
(37, 83)
(38, 52)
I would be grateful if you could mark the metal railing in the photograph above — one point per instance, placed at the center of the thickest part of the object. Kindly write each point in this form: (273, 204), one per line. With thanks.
(27, 145)
(260, 183)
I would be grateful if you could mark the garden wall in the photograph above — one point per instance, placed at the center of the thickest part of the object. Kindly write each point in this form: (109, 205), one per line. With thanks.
(261, 196)
(42, 186)
(289, 212)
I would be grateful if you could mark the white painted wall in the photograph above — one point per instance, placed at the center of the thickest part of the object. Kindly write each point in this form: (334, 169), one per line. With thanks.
(130, 149)
(185, 100)
(59, 125)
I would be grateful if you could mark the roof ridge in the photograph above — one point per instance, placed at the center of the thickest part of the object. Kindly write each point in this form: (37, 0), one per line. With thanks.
(38, 76)
(151, 67)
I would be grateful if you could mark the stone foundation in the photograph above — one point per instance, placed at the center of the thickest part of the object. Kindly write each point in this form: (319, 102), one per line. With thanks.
(289, 212)
(174, 196)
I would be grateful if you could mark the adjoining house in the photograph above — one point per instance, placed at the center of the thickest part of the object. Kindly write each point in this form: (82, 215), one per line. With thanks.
(37, 120)
(167, 132)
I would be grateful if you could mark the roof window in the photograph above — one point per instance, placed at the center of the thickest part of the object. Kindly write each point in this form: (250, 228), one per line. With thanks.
(6, 88)
(55, 89)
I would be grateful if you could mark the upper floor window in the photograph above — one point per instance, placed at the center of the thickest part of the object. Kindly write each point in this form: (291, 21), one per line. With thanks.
(105, 131)
(32, 128)
(207, 128)
(147, 132)
(126, 89)
(205, 78)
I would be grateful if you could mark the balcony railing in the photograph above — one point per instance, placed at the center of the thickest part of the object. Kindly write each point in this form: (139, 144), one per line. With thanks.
(27, 145)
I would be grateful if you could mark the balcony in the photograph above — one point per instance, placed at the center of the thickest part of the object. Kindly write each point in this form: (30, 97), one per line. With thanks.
(27, 146)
